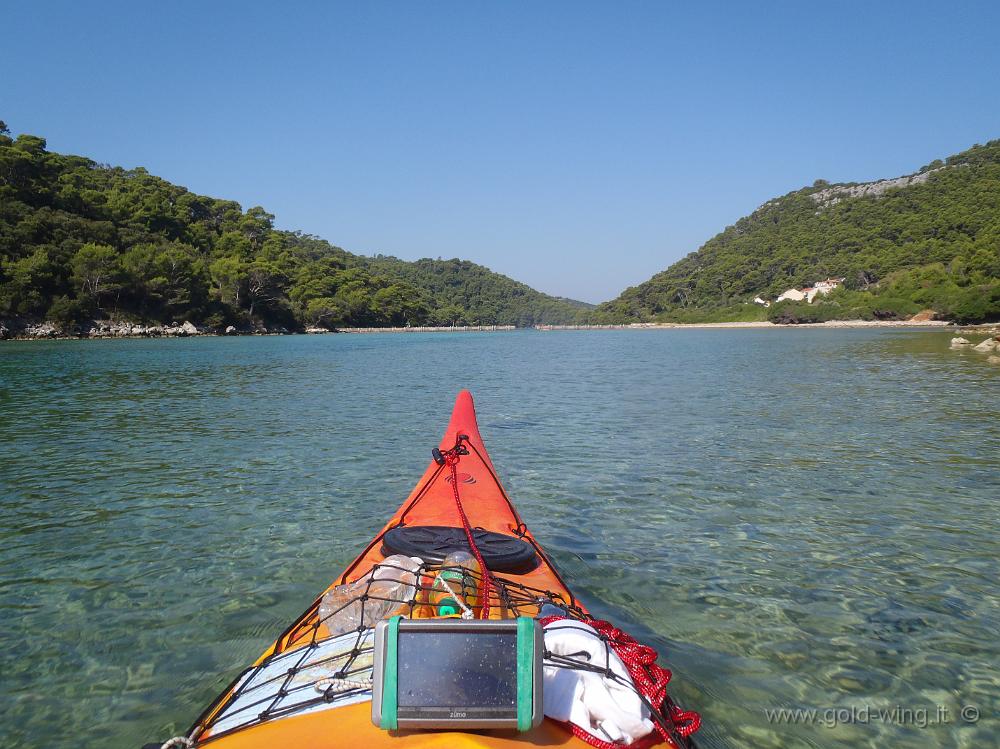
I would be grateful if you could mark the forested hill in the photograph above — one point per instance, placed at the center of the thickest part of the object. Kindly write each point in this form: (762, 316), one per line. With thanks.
(927, 240)
(457, 285)
(81, 240)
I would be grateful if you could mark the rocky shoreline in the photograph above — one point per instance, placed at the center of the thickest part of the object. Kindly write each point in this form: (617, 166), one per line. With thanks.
(23, 330)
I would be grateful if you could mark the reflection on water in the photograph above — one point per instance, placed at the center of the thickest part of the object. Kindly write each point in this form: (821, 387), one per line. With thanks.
(797, 518)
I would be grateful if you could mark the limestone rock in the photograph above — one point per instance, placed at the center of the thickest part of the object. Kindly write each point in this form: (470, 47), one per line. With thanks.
(993, 359)
(986, 346)
(121, 329)
(959, 341)
(230, 330)
(188, 329)
(833, 195)
(42, 330)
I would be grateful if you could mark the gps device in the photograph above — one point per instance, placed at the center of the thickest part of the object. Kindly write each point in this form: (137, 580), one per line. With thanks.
(457, 673)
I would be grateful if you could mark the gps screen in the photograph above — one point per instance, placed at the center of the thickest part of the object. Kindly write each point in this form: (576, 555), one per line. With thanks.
(457, 669)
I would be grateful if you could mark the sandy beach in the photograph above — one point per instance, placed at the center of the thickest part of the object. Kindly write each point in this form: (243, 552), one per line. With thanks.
(827, 324)
(762, 324)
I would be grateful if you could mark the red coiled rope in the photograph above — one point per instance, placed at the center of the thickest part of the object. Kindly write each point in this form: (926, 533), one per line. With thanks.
(451, 458)
(650, 680)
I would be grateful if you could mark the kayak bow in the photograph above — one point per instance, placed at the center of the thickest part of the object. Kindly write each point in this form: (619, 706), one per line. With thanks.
(311, 688)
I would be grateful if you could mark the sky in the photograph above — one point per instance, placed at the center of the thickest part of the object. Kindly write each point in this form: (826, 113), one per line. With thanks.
(579, 146)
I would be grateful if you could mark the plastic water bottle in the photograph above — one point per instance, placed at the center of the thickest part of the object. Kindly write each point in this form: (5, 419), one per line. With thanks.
(457, 583)
(389, 586)
(548, 609)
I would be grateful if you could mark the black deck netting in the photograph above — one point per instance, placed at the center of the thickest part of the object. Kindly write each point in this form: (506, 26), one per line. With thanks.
(326, 659)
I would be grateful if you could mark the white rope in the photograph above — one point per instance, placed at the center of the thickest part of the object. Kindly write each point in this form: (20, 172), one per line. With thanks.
(177, 742)
(467, 613)
(343, 685)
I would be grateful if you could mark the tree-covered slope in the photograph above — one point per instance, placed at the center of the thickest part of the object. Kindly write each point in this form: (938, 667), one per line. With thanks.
(82, 240)
(457, 285)
(926, 240)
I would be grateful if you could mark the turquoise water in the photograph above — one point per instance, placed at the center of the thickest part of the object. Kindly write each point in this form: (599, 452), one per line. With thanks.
(795, 518)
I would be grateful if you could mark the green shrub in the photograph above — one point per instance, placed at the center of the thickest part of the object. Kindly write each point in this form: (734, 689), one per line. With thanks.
(789, 312)
(67, 313)
(974, 304)
(890, 307)
(730, 313)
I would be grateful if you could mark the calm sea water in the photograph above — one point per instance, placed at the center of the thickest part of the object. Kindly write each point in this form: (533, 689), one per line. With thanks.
(794, 518)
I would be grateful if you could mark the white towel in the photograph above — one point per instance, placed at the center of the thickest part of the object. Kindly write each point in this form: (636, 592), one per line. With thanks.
(599, 705)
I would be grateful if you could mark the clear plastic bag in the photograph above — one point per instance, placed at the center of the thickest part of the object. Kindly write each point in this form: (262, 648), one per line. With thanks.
(385, 591)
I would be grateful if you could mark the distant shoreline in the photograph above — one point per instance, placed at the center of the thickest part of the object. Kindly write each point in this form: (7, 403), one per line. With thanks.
(48, 331)
(119, 331)
(937, 324)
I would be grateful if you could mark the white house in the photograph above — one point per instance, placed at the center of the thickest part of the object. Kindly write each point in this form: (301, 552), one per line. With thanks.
(810, 292)
(794, 294)
(825, 287)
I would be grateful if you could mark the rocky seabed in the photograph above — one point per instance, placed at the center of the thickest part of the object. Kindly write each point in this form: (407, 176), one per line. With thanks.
(990, 346)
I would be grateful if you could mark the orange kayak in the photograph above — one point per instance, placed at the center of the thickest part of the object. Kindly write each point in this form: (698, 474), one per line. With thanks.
(311, 687)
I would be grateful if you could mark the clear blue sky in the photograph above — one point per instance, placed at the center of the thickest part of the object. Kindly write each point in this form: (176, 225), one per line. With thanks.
(579, 147)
